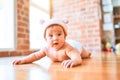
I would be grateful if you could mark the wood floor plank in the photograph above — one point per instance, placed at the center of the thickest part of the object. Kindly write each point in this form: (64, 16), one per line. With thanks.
(101, 66)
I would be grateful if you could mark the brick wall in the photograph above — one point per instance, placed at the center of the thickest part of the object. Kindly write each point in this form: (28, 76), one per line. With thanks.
(84, 23)
(22, 24)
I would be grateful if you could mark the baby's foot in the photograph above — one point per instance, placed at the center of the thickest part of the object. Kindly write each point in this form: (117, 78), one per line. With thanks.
(86, 55)
(89, 55)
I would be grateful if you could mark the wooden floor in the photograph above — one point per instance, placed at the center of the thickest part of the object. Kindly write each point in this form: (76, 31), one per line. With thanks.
(101, 66)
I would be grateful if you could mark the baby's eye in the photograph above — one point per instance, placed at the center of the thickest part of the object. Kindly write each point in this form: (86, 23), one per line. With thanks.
(59, 34)
(50, 35)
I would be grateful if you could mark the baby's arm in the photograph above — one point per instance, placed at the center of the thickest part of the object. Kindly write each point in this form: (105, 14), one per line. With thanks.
(75, 59)
(30, 58)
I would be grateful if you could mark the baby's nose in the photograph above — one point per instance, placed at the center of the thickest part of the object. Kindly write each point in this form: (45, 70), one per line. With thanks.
(55, 37)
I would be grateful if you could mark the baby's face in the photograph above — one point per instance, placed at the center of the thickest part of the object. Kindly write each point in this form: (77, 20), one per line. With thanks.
(55, 37)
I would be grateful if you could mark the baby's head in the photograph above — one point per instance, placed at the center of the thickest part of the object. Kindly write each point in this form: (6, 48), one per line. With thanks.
(55, 32)
(52, 22)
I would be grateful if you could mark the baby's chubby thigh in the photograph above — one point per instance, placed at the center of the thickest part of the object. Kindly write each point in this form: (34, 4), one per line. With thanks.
(85, 53)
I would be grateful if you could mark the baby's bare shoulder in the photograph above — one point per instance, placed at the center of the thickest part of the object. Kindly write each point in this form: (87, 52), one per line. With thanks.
(68, 47)
(44, 49)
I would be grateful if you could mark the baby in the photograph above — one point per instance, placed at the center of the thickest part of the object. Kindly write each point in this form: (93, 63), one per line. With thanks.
(57, 48)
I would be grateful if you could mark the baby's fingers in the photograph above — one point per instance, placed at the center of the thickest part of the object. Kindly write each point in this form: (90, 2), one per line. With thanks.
(16, 62)
(67, 63)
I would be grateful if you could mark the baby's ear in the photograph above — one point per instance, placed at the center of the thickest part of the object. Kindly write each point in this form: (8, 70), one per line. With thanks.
(65, 20)
(42, 21)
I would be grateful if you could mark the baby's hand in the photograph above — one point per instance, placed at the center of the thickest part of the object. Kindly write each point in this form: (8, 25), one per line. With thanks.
(17, 62)
(70, 63)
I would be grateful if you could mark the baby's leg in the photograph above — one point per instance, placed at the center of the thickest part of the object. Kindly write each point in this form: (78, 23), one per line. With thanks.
(85, 53)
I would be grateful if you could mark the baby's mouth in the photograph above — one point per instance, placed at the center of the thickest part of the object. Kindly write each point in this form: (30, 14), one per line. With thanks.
(55, 43)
